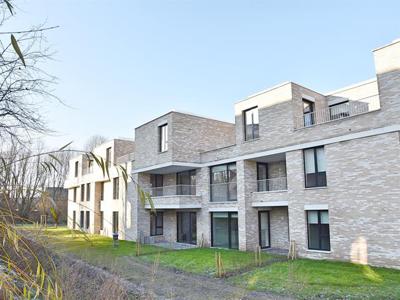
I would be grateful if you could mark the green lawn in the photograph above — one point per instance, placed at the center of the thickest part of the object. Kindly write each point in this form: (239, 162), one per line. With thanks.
(301, 278)
(323, 279)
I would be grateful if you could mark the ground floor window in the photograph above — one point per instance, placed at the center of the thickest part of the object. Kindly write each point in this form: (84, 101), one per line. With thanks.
(264, 229)
(87, 219)
(224, 230)
(318, 230)
(82, 220)
(73, 219)
(156, 223)
(115, 222)
(101, 220)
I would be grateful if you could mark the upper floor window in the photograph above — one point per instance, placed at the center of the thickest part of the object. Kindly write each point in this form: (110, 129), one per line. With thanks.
(76, 168)
(308, 112)
(163, 137)
(101, 190)
(75, 193)
(251, 124)
(82, 192)
(186, 183)
(318, 230)
(314, 167)
(156, 181)
(223, 182)
(116, 188)
(88, 192)
(108, 157)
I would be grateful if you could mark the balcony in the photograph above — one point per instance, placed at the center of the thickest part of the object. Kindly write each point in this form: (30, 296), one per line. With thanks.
(270, 192)
(174, 197)
(222, 192)
(339, 111)
(272, 184)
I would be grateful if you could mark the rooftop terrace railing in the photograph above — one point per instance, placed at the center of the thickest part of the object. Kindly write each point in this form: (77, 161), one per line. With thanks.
(339, 111)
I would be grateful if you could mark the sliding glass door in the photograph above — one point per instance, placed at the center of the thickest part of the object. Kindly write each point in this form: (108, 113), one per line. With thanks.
(224, 229)
(186, 227)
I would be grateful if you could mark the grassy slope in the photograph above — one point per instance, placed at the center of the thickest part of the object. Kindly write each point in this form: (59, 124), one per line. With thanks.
(324, 279)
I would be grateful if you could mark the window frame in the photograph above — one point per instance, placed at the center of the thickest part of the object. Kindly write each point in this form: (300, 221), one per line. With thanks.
(229, 227)
(102, 191)
(320, 236)
(180, 189)
(115, 188)
(75, 193)
(101, 220)
(82, 192)
(163, 138)
(115, 222)
(73, 219)
(88, 192)
(227, 182)
(76, 169)
(82, 220)
(311, 112)
(154, 220)
(318, 176)
(108, 156)
(87, 220)
(254, 136)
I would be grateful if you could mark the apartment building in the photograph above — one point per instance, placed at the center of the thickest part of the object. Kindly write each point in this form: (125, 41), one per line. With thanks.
(97, 201)
(318, 170)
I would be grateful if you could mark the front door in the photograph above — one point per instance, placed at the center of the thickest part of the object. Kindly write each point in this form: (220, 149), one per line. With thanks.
(186, 229)
(264, 229)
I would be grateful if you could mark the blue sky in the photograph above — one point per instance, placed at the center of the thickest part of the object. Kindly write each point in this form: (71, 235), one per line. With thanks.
(120, 63)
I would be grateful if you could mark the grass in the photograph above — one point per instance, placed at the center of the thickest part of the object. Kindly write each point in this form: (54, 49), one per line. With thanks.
(302, 278)
(307, 279)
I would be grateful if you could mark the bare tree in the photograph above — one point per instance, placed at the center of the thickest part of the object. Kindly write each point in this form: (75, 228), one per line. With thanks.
(94, 141)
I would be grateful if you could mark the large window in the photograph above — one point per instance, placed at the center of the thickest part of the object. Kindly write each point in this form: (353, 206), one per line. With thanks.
(251, 124)
(223, 183)
(116, 188)
(163, 137)
(82, 220)
(115, 222)
(108, 157)
(318, 230)
(76, 168)
(156, 223)
(314, 167)
(82, 192)
(88, 192)
(157, 181)
(186, 183)
(87, 219)
(75, 192)
(224, 229)
(308, 112)
(101, 220)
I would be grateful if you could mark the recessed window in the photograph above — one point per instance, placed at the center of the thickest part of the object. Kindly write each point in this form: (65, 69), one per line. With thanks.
(116, 188)
(318, 230)
(87, 219)
(75, 192)
(314, 167)
(308, 112)
(88, 192)
(82, 219)
(186, 183)
(108, 157)
(163, 137)
(156, 223)
(82, 192)
(115, 222)
(251, 124)
(73, 219)
(101, 220)
(101, 191)
(76, 168)
(157, 181)
(223, 183)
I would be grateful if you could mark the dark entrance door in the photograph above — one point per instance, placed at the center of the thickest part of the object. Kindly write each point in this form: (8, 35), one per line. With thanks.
(186, 227)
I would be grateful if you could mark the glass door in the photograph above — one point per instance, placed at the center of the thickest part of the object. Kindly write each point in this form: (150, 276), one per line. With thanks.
(186, 227)
(264, 229)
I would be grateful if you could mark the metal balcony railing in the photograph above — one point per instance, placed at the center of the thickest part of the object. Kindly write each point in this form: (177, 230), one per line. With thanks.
(220, 192)
(336, 112)
(272, 184)
(172, 190)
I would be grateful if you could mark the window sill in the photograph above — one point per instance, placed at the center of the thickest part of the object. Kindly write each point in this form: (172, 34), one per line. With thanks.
(316, 188)
(249, 141)
(319, 251)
